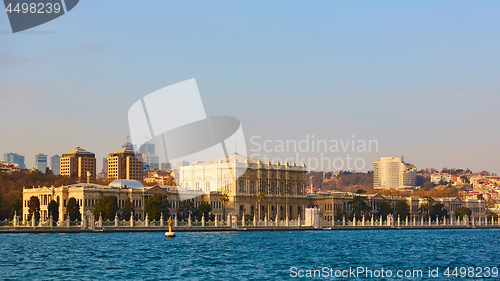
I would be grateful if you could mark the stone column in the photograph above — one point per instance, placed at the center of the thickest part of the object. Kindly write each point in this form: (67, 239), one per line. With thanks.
(451, 220)
(298, 221)
(15, 223)
(228, 221)
(131, 220)
(189, 220)
(254, 220)
(287, 223)
(473, 222)
(421, 221)
(51, 221)
(354, 221)
(388, 220)
(84, 221)
(399, 221)
(161, 220)
(175, 221)
(343, 220)
(265, 220)
(381, 222)
(430, 221)
(243, 223)
(407, 223)
(33, 221)
(363, 221)
(372, 221)
(68, 221)
(116, 220)
(216, 221)
(276, 220)
(146, 220)
(100, 221)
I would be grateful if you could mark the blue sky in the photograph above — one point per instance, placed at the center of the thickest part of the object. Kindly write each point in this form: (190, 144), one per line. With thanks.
(421, 77)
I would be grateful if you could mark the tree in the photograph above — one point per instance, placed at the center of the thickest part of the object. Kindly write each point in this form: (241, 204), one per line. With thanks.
(360, 191)
(224, 199)
(428, 185)
(426, 207)
(106, 207)
(34, 208)
(359, 206)
(261, 197)
(53, 208)
(185, 208)
(156, 205)
(384, 209)
(463, 211)
(16, 207)
(492, 217)
(402, 209)
(438, 211)
(247, 217)
(203, 210)
(73, 209)
(127, 209)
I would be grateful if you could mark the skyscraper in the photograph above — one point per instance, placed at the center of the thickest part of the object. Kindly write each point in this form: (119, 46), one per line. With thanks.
(14, 158)
(393, 172)
(55, 164)
(77, 163)
(123, 164)
(41, 162)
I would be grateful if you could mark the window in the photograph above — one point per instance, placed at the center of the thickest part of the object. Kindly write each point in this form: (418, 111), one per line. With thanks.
(242, 186)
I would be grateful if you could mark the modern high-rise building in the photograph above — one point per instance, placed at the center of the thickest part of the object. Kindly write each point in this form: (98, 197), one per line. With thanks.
(123, 164)
(77, 163)
(55, 164)
(41, 162)
(393, 172)
(147, 148)
(103, 175)
(14, 158)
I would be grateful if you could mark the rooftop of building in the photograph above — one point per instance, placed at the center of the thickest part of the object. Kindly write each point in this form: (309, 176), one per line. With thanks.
(78, 151)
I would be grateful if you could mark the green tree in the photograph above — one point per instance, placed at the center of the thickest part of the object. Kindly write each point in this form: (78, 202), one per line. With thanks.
(359, 207)
(402, 209)
(360, 191)
(339, 214)
(492, 217)
(248, 217)
(438, 211)
(384, 209)
(34, 208)
(156, 205)
(463, 211)
(16, 207)
(426, 207)
(106, 207)
(127, 209)
(53, 208)
(73, 209)
(203, 209)
(428, 185)
(185, 208)
(224, 199)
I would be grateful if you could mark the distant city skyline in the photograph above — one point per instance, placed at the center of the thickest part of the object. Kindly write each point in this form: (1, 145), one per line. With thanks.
(421, 81)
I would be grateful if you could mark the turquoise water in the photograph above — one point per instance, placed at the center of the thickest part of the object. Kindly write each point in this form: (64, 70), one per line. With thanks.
(242, 255)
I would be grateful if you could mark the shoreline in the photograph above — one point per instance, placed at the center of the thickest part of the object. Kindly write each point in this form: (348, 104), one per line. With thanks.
(29, 230)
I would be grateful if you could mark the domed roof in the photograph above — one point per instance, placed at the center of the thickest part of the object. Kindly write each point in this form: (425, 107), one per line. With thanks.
(126, 184)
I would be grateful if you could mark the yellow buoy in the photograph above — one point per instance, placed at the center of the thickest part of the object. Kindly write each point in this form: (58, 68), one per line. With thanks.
(170, 233)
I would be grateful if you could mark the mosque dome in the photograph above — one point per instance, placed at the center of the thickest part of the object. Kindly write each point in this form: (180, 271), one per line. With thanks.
(126, 184)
